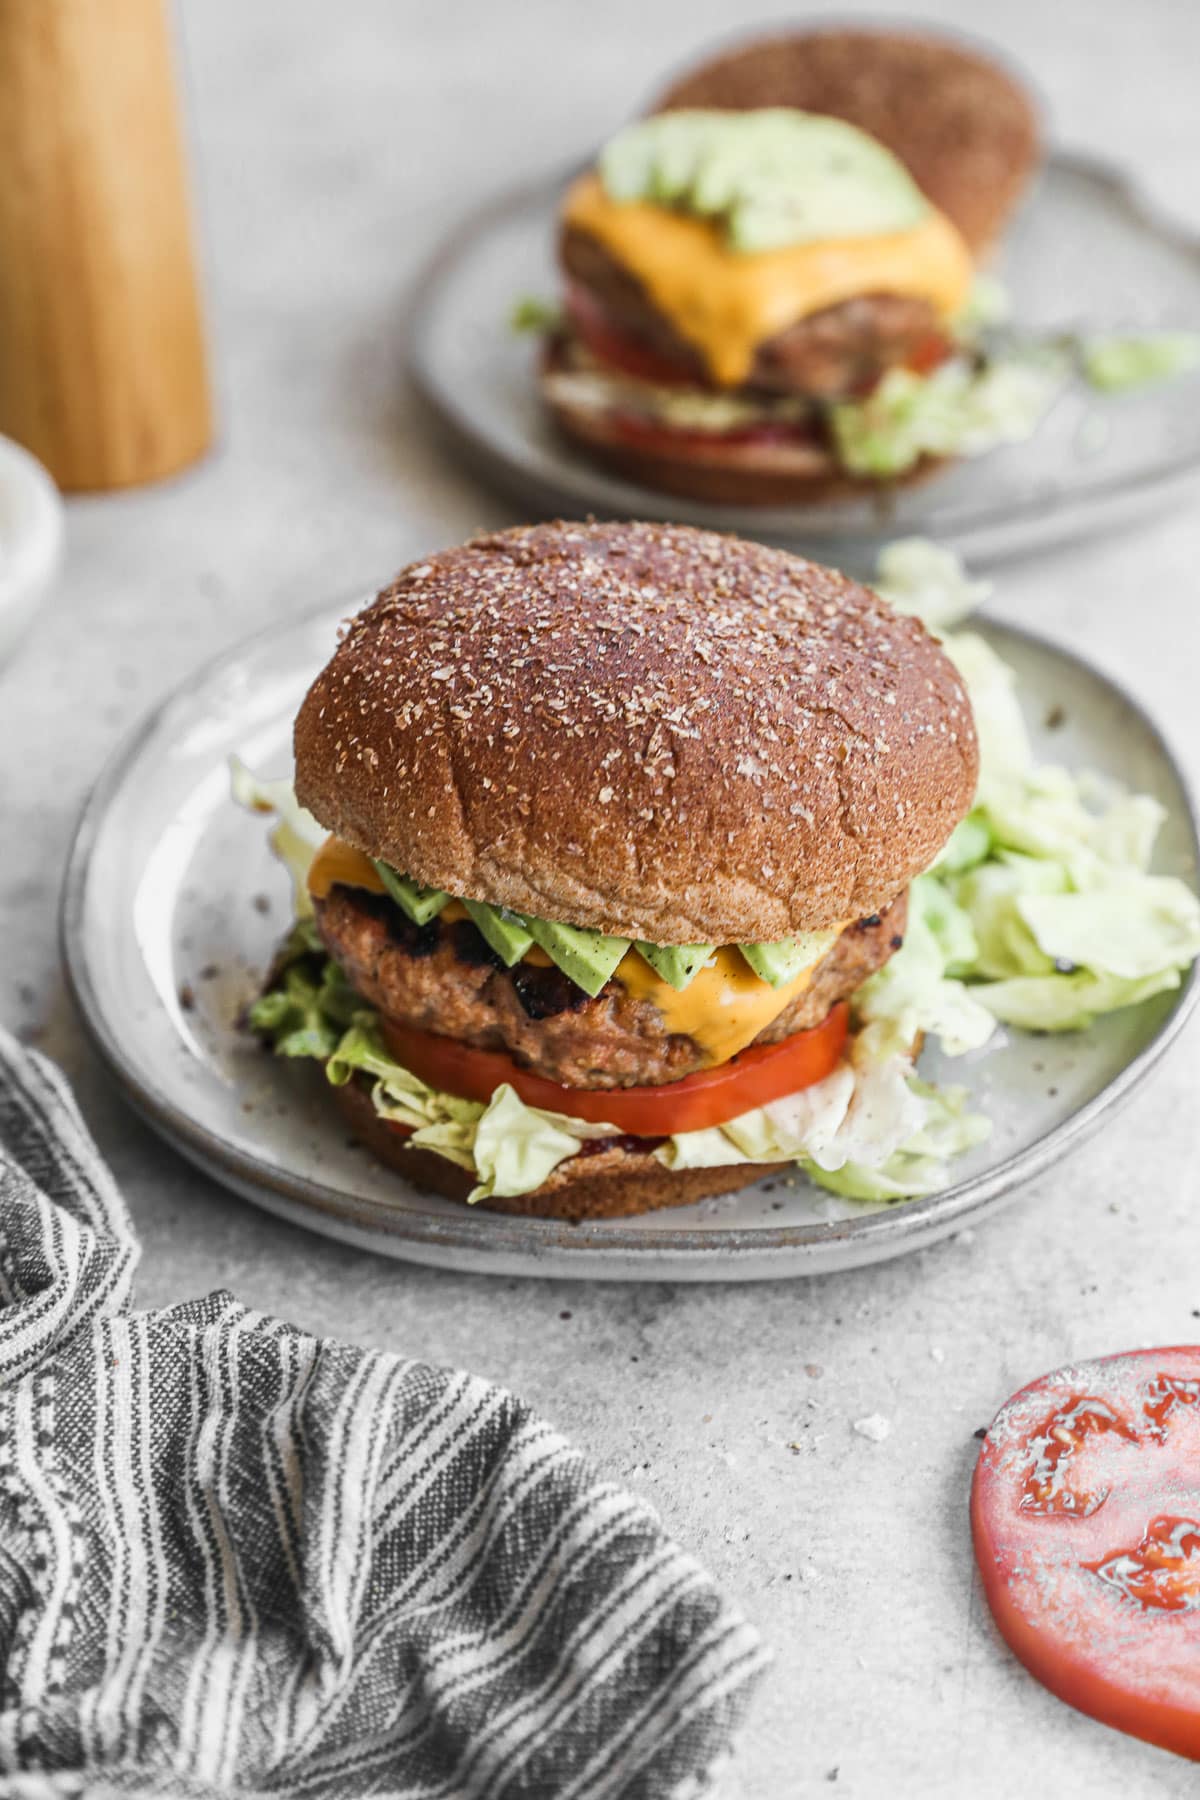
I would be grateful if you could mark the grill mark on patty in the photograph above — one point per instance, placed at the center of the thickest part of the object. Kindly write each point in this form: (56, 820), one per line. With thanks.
(470, 946)
(536, 1014)
(543, 993)
(415, 940)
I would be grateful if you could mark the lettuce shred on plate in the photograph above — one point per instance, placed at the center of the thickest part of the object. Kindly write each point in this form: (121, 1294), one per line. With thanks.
(960, 409)
(1041, 913)
(1115, 363)
(979, 400)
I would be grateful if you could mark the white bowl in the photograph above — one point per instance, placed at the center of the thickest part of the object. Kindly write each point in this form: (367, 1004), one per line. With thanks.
(31, 539)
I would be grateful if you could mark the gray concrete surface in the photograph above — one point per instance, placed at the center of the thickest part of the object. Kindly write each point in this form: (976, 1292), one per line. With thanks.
(333, 146)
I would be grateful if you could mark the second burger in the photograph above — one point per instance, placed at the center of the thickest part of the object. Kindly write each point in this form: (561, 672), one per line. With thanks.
(763, 308)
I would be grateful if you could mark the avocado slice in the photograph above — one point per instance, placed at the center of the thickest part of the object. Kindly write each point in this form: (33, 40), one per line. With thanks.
(781, 962)
(420, 903)
(768, 177)
(628, 167)
(672, 172)
(501, 930)
(588, 958)
(677, 963)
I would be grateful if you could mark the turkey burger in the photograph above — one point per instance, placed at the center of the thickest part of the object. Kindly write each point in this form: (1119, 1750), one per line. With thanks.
(619, 817)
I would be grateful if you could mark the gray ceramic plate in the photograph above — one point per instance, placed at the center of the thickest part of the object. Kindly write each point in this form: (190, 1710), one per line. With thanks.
(1086, 251)
(173, 902)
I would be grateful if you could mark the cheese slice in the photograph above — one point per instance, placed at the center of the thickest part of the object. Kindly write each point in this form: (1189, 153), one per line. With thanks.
(723, 1007)
(338, 864)
(727, 303)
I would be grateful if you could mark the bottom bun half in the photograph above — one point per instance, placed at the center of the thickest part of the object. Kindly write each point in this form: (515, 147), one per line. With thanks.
(603, 1184)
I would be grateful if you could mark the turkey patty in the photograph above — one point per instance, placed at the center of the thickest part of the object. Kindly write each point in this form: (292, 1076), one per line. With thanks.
(827, 356)
(443, 978)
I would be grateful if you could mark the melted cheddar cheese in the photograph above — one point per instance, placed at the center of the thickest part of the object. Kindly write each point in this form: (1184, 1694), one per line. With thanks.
(338, 864)
(727, 303)
(723, 1007)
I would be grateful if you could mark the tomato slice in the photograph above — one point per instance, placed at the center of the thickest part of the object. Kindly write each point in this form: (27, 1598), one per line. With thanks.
(621, 349)
(930, 353)
(1085, 1511)
(756, 1077)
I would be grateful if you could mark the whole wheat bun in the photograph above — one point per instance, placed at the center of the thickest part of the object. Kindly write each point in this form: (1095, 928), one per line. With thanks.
(724, 473)
(657, 732)
(606, 1184)
(966, 130)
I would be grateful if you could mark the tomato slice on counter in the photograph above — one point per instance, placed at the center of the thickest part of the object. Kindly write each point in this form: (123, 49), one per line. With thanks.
(759, 1075)
(1085, 1511)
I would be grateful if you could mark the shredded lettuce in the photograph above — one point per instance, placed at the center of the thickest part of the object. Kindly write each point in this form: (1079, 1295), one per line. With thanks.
(517, 1146)
(869, 1131)
(296, 836)
(1131, 926)
(922, 1164)
(987, 305)
(973, 403)
(308, 1002)
(1005, 749)
(531, 313)
(1064, 938)
(509, 1147)
(957, 410)
(1114, 363)
(919, 990)
(915, 575)
(1041, 911)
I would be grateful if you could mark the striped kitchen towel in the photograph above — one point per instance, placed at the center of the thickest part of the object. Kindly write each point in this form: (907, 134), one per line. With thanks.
(235, 1559)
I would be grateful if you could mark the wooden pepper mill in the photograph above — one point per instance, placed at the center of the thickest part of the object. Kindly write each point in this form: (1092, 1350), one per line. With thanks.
(102, 363)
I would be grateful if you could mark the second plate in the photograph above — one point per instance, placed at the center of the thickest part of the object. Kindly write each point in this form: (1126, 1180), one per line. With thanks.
(1095, 462)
